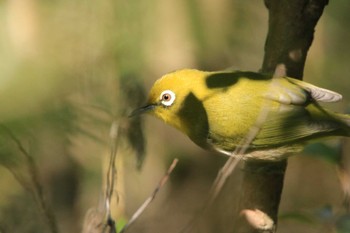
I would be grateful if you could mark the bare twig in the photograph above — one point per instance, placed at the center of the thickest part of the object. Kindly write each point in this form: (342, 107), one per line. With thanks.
(148, 201)
(102, 220)
(238, 154)
(109, 225)
(111, 179)
(37, 190)
(20, 179)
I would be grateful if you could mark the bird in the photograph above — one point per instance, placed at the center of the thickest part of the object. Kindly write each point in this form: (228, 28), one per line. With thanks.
(219, 110)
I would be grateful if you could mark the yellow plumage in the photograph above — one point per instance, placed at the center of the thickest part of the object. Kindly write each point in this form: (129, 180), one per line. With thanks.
(217, 110)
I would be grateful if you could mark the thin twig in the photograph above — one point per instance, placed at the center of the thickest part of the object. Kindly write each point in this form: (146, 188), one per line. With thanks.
(238, 154)
(20, 179)
(143, 207)
(37, 190)
(111, 177)
(227, 170)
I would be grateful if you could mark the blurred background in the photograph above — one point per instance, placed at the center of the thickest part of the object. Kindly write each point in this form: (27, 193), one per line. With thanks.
(70, 69)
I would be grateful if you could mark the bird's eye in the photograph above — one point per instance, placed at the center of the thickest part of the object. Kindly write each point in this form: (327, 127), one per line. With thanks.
(167, 98)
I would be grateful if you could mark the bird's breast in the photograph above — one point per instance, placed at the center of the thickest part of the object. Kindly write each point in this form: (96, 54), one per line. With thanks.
(231, 116)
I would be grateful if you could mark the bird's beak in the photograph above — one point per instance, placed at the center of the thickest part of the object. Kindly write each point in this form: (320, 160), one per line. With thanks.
(142, 110)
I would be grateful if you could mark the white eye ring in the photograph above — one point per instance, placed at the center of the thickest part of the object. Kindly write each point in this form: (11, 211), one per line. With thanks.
(167, 98)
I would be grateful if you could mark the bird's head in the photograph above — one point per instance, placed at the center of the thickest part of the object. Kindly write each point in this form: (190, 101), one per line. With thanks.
(168, 95)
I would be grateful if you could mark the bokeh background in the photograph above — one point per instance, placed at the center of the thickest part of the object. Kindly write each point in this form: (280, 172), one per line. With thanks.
(71, 69)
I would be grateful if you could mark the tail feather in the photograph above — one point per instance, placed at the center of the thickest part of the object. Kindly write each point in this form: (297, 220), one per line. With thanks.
(331, 123)
(345, 118)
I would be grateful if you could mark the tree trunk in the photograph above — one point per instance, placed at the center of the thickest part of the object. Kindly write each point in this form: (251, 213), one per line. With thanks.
(290, 34)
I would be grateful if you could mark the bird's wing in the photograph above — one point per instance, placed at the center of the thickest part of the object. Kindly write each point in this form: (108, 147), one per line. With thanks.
(317, 93)
(292, 117)
(291, 91)
(297, 116)
(283, 128)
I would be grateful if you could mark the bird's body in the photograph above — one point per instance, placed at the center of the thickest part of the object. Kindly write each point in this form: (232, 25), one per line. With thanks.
(220, 110)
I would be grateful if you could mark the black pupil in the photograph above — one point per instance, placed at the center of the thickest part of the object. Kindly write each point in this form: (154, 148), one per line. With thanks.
(166, 97)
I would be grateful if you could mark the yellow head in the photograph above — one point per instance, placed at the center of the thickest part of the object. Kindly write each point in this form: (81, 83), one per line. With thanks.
(173, 99)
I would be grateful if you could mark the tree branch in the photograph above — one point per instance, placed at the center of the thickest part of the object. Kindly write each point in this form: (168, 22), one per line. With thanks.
(291, 32)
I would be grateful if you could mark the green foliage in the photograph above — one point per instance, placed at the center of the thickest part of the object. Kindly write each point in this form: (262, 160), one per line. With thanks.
(325, 217)
(121, 224)
(324, 151)
(297, 216)
(343, 224)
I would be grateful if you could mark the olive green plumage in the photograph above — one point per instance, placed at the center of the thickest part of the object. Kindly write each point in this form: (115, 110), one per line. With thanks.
(217, 110)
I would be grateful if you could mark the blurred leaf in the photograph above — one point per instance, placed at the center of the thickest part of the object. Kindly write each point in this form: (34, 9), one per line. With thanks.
(197, 29)
(297, 216)
(136, 139)
(325, 213)
(133, 96)
(323, 151)
(7, 157)
(121, 223)
(343, 224)
(21, 215)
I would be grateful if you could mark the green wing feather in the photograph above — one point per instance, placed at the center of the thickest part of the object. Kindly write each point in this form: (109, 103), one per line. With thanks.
(298, 116)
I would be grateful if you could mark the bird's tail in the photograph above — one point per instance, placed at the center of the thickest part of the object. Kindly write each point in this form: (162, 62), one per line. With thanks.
(345, 118)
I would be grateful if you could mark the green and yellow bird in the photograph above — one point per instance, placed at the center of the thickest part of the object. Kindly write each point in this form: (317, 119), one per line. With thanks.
(218, 110)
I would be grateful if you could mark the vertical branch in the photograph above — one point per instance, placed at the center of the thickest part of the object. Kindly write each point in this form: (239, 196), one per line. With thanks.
(111, 177)
(290, 34)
